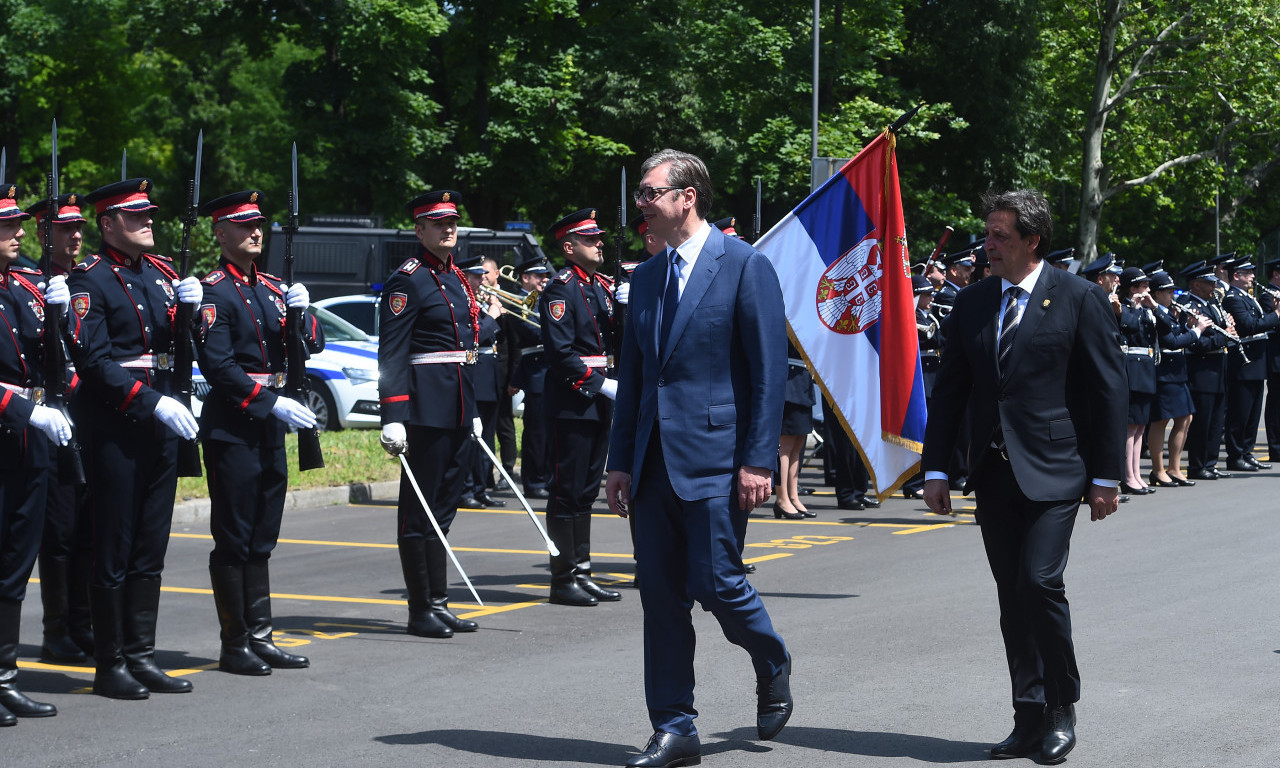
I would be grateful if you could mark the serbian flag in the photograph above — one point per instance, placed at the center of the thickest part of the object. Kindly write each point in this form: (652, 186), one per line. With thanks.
(841, 257)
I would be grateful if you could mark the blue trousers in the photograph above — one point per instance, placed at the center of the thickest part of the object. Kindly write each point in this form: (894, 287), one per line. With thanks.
(686, 551)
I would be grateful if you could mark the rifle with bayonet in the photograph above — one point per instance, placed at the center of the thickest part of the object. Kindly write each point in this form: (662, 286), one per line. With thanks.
(620, 310)
(70, 464)
(183, 344)
(296, 384)
(755, 222)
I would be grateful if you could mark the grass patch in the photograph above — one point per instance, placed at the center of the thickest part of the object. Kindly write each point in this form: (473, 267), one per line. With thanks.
(350, 456)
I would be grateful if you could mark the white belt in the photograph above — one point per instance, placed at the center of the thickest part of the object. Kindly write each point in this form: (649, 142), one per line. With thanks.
(463, 356)
(162, 361)
(530, 350)
(598, 361)
(34, 394)
(1172, 351)
(1144, 351)
(267, 379)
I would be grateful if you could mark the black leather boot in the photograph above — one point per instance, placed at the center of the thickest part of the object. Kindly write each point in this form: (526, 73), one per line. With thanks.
(112, 678)
(141, 609)
(438, 596)
(582, 562)
(79, 617)
(12, 699)
(565, 589)
(58, 646)
(413, 561)
(257, 615)
(228, 598)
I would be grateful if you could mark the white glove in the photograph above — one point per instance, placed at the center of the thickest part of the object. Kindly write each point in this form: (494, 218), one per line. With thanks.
(610, 389)
(623, 293)
(477, 427)
(57, 292)
(189, 290)
(176, 416)
(293, 413)
(394, 439)
(296, 296)
(52, 423)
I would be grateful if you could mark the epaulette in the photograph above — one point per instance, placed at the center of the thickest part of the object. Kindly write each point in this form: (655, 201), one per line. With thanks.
(410, 266)
(214, 277)
(564, 275)
(159, 256)
(26, 270)
(273, 287)
(162, 263)
(270, 276)
(88, 263)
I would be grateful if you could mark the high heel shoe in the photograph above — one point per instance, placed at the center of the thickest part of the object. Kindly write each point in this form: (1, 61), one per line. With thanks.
(1153, 480)
(807, 513)
(1133, 491)
(1181, 482)
(781, 514)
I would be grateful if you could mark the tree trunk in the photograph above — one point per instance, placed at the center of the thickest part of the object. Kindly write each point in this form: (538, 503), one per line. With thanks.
(1094, 176)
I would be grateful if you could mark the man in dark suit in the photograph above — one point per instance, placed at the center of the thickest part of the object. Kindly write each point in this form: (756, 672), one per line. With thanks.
(694, 442)
(1032, 354)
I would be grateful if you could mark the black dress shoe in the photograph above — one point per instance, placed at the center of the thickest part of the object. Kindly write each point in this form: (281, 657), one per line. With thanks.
(667, 750)
(808, 513)
(17, 703)
(781, 514)
(849, 504)
(1240, 465)
(470, 502)
(1203, 474)
(1256, 463)
(773, 702)
(805, 491)
(1059, 734)
(1182, 482)
(537, 493)
(1219, 474)
(1123, 499)
(1129, 489)
(484, 498)
(1023, 742)
(869, 503)
(749, 567)
(914, 493)
(1152, 479)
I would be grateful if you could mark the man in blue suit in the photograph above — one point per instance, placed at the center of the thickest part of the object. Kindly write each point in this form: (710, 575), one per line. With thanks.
(695, 439)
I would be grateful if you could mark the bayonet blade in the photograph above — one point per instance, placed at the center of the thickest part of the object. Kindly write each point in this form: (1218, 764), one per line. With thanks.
(4, 161)
(195, 186)
(53, 178)
(124, 163)
(293, 201)
(623, 204)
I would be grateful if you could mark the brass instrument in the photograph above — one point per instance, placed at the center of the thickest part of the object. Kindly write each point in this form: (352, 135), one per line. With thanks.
(520, 306)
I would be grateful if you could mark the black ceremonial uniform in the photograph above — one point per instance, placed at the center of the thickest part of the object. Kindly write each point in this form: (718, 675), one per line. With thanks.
(25, 464)
(530, 377)
(1173, 397)
(430, 326)
(928, 331)
(576, 312)
(1245, 379)
(242, 356)
(1206, 378)
(1141, 347)
(1270, 301)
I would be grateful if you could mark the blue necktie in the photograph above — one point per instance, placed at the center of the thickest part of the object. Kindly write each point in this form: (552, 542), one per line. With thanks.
(670, 300)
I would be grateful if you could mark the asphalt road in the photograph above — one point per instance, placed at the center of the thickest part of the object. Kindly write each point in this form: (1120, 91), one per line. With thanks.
(890, 616)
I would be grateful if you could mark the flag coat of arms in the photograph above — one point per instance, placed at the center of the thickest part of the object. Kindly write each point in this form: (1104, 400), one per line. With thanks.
(842, 260)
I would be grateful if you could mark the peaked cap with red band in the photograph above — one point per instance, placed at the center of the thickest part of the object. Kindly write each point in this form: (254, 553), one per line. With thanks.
(440, 204)
(581, 222)
(726, 225)
(9, 209)
(237, 206)
(639, 225)
(127, 195)
(68, 209)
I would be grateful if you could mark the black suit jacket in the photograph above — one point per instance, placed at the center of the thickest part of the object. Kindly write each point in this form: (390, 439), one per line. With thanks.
(1061, 402)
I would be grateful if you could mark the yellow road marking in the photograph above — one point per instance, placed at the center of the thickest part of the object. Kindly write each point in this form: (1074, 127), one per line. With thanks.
(53, 667)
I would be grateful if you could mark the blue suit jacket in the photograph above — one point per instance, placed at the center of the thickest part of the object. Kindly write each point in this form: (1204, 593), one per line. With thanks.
(717, 391)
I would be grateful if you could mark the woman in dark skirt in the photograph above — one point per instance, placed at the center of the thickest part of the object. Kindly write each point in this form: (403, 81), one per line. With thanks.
(1173, 397)
(1138, 330)
(797, 423)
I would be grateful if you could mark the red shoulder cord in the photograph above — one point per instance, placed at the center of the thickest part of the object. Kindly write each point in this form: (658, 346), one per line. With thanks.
(474, 306)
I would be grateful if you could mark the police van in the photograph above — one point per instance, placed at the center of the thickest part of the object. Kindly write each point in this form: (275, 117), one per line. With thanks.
(335, 256)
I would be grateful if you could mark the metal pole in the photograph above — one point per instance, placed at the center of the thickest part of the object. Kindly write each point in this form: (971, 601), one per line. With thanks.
(431, 517)
(816, 10)
(551, 547)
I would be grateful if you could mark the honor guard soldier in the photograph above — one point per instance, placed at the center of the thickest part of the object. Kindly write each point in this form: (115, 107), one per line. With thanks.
(727, 225)
(530, 377)
(1206, 373)
(125, 299)
(242, 356)
(1246, 371)
(64, 547)
(576, 312)
(431, 326)
(27, 454)
(1269, 300)
(652, 245)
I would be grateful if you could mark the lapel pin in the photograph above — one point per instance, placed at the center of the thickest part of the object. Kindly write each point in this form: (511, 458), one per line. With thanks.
(1045, 305)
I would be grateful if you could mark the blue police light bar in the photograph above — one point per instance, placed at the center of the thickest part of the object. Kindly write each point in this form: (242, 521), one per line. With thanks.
(519, 226)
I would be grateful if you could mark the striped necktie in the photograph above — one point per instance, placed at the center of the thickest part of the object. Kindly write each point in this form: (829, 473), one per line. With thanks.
(1008, 327)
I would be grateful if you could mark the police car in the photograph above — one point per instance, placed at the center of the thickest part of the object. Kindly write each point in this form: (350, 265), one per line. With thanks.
(343, 377)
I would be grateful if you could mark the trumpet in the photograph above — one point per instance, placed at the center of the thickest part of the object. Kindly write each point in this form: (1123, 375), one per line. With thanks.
(521, 306)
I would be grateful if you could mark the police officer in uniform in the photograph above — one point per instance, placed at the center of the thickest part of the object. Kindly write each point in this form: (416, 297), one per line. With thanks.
(242, 356)
(26, 429)
(1206, 373)
(1247, 371)
(958, 266)
(929, 336)
(576, 313)
(1141, 347)
(1269, 300)
(124, 299)
(530, 377)
(431, 327)
(64, 548)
